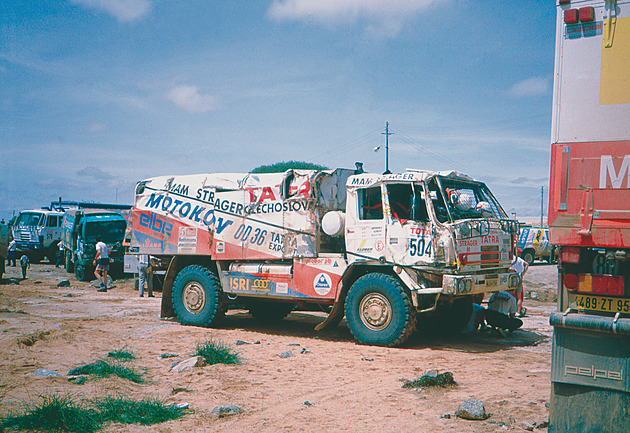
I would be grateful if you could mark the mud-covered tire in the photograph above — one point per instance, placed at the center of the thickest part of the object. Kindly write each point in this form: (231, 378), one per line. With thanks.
(197, 296)
(69, 264)
(379, 311)
(82, 272)
(269, 311)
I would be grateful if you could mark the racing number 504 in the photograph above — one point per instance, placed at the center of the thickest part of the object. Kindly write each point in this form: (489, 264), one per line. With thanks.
(418, 248)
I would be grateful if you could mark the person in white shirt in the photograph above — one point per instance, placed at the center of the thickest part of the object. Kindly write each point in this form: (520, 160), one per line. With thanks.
(101, 261)
(145, 273)
(519, 266)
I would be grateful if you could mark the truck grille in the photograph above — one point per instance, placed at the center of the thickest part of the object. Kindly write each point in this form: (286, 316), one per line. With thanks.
(490, 260)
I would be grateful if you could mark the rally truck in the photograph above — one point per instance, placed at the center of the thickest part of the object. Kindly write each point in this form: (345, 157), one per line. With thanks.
(37, 233)
(4, 247)
(81, 227)
(589, 217)
(381, 250)
(533, 243)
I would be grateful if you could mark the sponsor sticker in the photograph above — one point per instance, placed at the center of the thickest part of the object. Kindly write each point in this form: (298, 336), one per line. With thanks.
(322, 284)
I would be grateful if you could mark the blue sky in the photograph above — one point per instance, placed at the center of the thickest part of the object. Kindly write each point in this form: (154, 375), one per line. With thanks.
(96, 95)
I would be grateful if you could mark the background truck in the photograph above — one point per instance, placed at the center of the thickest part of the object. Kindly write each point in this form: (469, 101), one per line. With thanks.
(589, 217)
(80, 229)
(379, 249)
(533, 243)
(37, 233)
(4, 247)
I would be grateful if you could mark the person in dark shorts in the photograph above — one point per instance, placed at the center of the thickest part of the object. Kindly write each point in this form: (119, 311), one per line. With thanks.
(501, 311)
(101, 261)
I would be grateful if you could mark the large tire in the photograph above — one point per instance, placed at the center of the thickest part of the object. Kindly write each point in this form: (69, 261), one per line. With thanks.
(379, 311)
(270, 311)
(82, 273)
(197, 296)
(69, 264)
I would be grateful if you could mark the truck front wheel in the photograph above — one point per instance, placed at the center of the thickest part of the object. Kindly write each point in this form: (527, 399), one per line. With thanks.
(82, 272)
(379, 311)
(197, 296)
(528, 256)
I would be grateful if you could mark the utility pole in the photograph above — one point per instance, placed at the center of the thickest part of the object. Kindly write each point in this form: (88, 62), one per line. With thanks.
(541, 204)
(387, 134)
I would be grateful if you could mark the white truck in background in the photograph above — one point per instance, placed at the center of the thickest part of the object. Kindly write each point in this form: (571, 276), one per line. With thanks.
(383, 250)
(37, 233)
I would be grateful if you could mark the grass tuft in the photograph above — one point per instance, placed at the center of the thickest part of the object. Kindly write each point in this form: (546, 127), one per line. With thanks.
(121, 355)
(103, 369)
(442, 380)
(215, 352)
(57, 414)
(146, 412)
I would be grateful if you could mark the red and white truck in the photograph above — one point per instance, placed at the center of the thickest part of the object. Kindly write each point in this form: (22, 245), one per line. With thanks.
(589, 216)
(379, 249)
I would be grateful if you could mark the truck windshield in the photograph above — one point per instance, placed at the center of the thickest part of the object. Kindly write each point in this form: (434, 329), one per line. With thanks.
(467, 199)
(29, 219)
(110, 231)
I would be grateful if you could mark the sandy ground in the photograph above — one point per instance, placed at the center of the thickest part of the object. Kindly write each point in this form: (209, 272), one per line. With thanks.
(330, 384)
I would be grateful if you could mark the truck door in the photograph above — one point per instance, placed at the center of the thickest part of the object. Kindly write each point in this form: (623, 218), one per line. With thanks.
(366, 234)
(408, 238)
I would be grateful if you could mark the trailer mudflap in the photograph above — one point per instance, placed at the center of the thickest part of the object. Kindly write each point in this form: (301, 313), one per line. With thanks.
(590, 387)
(591, 351)
(166, 309)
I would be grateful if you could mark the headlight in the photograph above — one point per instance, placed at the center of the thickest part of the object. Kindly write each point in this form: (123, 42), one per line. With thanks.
(464, 285)
(464, 231)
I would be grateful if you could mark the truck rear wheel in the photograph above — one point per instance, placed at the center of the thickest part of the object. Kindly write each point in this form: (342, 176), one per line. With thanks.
(197, 296)
(379, 311)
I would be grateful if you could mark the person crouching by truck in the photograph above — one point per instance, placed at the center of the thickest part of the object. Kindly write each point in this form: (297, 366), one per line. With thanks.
(101, 261)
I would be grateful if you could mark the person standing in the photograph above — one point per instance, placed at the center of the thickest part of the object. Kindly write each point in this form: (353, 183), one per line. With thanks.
(11, 252)
(25, 263)
(101, 261)
(60, 254)
(145, 274)
(519, 266)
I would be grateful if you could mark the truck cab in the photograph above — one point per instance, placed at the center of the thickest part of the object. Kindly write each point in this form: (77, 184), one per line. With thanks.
(80, 230)
(37, 233)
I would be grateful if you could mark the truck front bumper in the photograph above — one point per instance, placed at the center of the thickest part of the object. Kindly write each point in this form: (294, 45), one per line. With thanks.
(473, 284)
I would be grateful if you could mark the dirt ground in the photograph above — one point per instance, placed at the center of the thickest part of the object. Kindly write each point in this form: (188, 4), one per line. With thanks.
(330, 384)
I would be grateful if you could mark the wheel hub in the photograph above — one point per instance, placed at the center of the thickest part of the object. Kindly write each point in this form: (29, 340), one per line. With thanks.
(194, 297)
(375, 311)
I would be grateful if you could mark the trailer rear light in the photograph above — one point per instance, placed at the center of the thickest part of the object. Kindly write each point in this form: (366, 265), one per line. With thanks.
(571, 16)
(570, 255)
(571, 282)
(597, 284)
(587, 14)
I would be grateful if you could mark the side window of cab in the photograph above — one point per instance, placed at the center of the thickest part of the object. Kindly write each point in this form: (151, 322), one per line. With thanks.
(370, 203)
